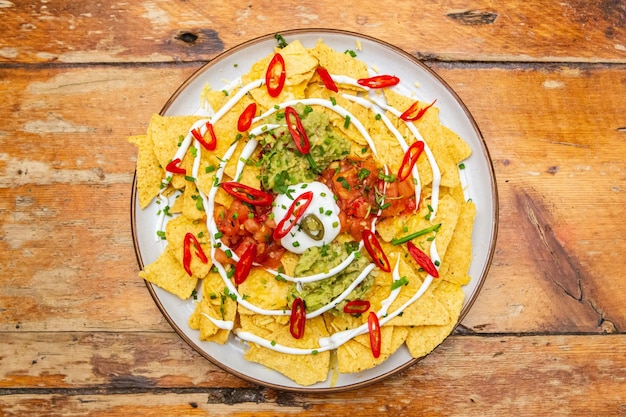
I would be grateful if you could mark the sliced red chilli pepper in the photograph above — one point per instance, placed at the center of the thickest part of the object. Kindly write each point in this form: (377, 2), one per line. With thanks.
(414, 113)
(298, 318)
(375, 338)
(245, 119)
(410, 158)
(379, 81)
(242, 269)
(422, 260)
(327, 79)
(296, 128)
(275, 75)
(296, 210)
(209, 145)
(247, 194)
(173, 167)
(356, 307)
(189, 240)
(376, 252)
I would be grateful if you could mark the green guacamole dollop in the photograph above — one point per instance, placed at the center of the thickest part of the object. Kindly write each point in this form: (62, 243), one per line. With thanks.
(321, 259)
(283, 165)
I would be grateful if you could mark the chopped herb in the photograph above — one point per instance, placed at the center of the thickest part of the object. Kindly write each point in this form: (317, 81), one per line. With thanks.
(229, 253)
(378, 116)
(189, 178)
(350, 52)
(344, 182)
(225, 92)
(399, 283)
(346, 122)
(437, 263)
(399, 241)
(218, 235)
(461, 165)
(273, 342)
(209, 169)
(227, 293)
(194, 151)
(296, 244)
(332, 100)
(281, 41)
(194, 294)
(314, 352)
(161, 234)
(363, 173)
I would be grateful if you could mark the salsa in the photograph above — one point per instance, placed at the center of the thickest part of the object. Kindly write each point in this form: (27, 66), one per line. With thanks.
(358, 185)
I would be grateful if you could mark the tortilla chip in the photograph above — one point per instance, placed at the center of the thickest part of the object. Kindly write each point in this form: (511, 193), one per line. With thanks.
(356, 355)
(175, 231)
(166, 132)
(168, 273)
(422, 340)
(303, 369)
(265, 291)
(455, 266)
(149, 172)
(216, 304)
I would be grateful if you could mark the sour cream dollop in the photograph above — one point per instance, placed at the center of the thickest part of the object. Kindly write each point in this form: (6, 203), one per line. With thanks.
(319, 225)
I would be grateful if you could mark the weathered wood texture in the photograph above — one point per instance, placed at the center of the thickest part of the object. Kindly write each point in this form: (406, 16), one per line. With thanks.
(157, 374)
(163, 30)
(79, 333)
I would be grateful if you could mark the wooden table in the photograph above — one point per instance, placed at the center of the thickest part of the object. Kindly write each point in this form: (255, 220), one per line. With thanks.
(79, 332)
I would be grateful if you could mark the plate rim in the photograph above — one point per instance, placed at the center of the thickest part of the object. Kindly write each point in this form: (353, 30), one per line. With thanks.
(493, 192)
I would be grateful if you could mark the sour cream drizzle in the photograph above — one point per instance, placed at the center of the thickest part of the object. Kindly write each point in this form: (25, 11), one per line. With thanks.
(337, 339)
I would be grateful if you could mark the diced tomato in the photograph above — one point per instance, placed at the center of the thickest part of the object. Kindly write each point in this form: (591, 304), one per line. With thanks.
(242, 225)
(358, 189)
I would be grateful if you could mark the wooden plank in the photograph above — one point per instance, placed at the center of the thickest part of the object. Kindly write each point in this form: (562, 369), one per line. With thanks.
(154, 374)
(64, 153)
(161, 31)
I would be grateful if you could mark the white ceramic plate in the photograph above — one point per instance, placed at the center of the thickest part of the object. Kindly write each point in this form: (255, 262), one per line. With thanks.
(389, 60)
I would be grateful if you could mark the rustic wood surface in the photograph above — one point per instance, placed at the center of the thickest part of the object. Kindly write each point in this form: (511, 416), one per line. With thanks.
(79, 332)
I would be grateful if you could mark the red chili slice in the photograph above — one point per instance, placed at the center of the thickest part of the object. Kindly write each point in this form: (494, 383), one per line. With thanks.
(374, 328)
(379, 81)
(298, 318)
(296, 210)
(327, 79)
(356, 307)
(376, 252)
(247, 194)
(189, 240)
(298, 133)
(414, 113)
(245, 119)
(242, 269)
(209, 145)
(422, 260)
(410, 158)
(275, 75)
(173, 167)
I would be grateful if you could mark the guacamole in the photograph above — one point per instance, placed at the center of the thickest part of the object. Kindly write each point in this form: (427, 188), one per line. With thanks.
(321, 259)
(283, 165)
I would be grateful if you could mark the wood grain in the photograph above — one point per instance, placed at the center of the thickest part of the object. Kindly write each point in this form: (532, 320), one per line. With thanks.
(165, 31)
(79, 332)
(156, 374)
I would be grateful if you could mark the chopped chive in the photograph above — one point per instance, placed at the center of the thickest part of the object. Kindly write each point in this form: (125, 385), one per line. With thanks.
(406, 238)
(399, 283)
